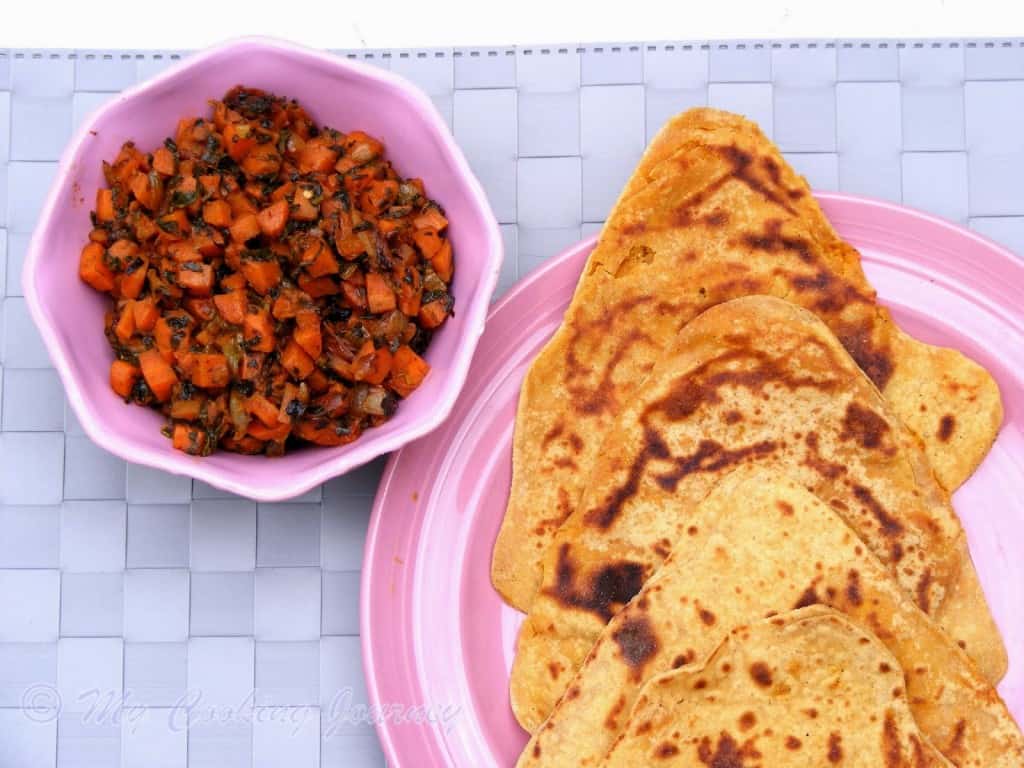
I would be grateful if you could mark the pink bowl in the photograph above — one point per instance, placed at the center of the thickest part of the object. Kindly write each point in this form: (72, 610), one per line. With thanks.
(346, 95)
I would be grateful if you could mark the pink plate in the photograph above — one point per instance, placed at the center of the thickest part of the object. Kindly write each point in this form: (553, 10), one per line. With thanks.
(435, 633)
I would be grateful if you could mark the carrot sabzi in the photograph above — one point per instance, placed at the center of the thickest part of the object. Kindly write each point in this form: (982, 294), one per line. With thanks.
(271, 281)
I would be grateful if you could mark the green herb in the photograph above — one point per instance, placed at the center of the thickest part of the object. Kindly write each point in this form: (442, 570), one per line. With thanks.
(257, 254)
(178, 322)
(182, 199)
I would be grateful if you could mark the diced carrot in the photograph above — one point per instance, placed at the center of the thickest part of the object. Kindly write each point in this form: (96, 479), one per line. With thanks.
(361, 147)
(303, 208)
(184, 251)
(259, 332)
(363, 364)
(131, 281)
(354, 294)
(208, 242)
(252, 364)
(273, 218)
(104, 205)
(378, 196)
(316, 157)
(164, 162)
(410, 290)
(288, 303)
(145, 227)
(379, 296)
(296, 361)
(261, 161)
(407, 370)
(324, 434)
(275, 433)
(148, 189)
(210, 370)
(317, 381)
(232, 306)
(159, 376)
(123, 376)
(257, 192)
(186, 410)
(174, 225)
(233, 259)
(234, 282)
(120, 252)
(291, 394)
(196, 278)
(217, 213)
(442, 261)
(128, 161)
(189, 439)
(223, 114)
(430, 218)
(307, 332)
(186, 195)
(387, 226)
(433, 314)
(380, 367)
(262, 274)
(245, 227)
(210, 184)
(125, 327)
(169, 339)
(319, 259)
(428, 241)
(349, 245)
(241, 204)
(318, 286)
(187, 137)
(246, 444)
(146, 314)
(284, 191)
(263, 409)
(200, 307)
(164, 337)
(239, 139)
(93, 270)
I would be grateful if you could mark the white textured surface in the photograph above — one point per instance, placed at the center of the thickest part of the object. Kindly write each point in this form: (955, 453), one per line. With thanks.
(181, 626)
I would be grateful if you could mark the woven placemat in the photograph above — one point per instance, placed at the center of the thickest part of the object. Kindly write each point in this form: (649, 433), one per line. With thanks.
(146, 620)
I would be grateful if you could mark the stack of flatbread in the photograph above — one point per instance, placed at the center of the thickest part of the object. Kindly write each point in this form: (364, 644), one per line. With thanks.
(730, 522)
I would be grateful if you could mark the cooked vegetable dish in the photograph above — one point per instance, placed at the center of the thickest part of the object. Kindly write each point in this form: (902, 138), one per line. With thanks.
(273, 282)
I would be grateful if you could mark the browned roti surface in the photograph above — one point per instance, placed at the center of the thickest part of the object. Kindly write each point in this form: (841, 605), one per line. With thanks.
(712, 212)
(755, 380)
(760, 544)
(805, 688)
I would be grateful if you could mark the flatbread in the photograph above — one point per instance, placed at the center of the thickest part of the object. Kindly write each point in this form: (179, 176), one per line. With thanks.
(755, 380)
(805, 688)
(761, 544)
(711, 213)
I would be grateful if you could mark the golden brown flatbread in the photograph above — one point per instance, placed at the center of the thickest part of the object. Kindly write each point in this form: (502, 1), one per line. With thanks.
(761, 544)
(802, 689)
(712, 212)
(755, 380)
